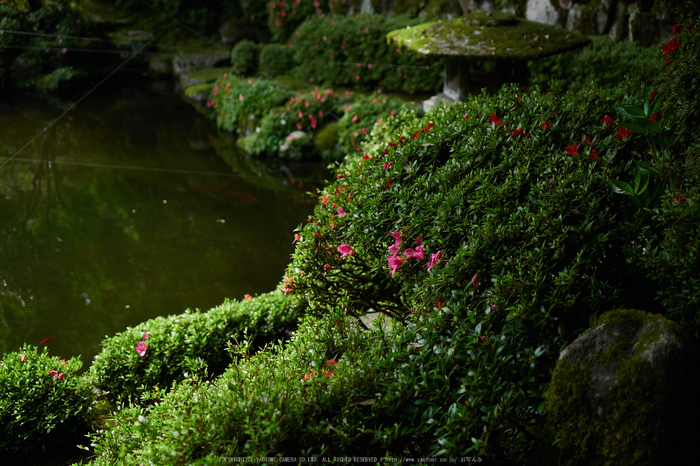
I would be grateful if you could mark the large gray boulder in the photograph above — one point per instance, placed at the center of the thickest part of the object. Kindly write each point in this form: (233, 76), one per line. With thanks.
(625, 392)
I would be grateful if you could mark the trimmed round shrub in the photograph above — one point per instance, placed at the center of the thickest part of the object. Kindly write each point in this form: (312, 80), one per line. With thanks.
(276, 60)
(234, 100)
(244, 57)
(164, 350)
(43, 400)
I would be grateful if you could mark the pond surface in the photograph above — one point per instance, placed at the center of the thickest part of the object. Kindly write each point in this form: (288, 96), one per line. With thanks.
(111, 217)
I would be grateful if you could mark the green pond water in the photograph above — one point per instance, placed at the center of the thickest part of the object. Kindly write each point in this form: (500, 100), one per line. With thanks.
(111, 217)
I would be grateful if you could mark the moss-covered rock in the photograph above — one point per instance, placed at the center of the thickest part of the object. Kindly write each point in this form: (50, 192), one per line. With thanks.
(623, 393)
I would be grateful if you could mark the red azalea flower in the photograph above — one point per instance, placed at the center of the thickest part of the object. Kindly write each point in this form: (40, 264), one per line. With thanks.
(416, 134)
(428, 127)
(392, 144)
(653, 96)
(669, 47)
(594, 154)
(607, 121)
(572, 149)
(676, 28)
(586, 139)
(622, 133)
(438, 303)
(546, 125)
(517, 132)
(653, 118)
(494, 120)
(680, 198)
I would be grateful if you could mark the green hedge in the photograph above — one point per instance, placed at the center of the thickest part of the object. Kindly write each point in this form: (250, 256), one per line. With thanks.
(178, 346)
(43, 401)
(353, 51)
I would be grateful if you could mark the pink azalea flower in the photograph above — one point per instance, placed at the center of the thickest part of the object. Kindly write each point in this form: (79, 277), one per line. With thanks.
(415, 253)
(324, 200)
(434, 260)
(387, 165)
(419, 241)
(141, 348)
(327, 267)
(145, 335)
(22, 357)
(341, 212)
(345, 250)
(395, 262)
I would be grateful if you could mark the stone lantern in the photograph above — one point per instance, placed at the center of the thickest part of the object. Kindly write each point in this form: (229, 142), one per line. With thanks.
(484, 49)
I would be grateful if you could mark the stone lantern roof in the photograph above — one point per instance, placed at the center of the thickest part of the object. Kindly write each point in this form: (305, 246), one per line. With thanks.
(486, 48)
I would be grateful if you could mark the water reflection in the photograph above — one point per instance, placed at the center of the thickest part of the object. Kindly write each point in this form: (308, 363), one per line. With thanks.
(88, 249)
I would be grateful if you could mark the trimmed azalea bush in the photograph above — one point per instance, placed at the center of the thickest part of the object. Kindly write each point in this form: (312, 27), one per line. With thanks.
(353, 51)
(276, 60)
(274, 403)
(307, 112)
(43, 400)
(164, 350)
(361, 115)
(605, 61)
(236, 101)
(244, 57)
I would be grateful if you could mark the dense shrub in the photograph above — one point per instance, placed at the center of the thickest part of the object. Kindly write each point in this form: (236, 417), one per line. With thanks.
(235, 100)
(43, 401)
(361, 115)
(275, 60)
(353, 51)
(605, 61)
(163, 350)
(303, 113)
(244, 56)
(284, 17)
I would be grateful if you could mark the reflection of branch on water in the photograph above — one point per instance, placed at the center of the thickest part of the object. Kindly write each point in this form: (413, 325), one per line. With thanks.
(46, 172)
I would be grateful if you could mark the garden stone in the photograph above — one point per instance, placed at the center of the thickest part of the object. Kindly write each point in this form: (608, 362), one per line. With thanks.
(295, 140)
(625, 392)
(541, 11)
